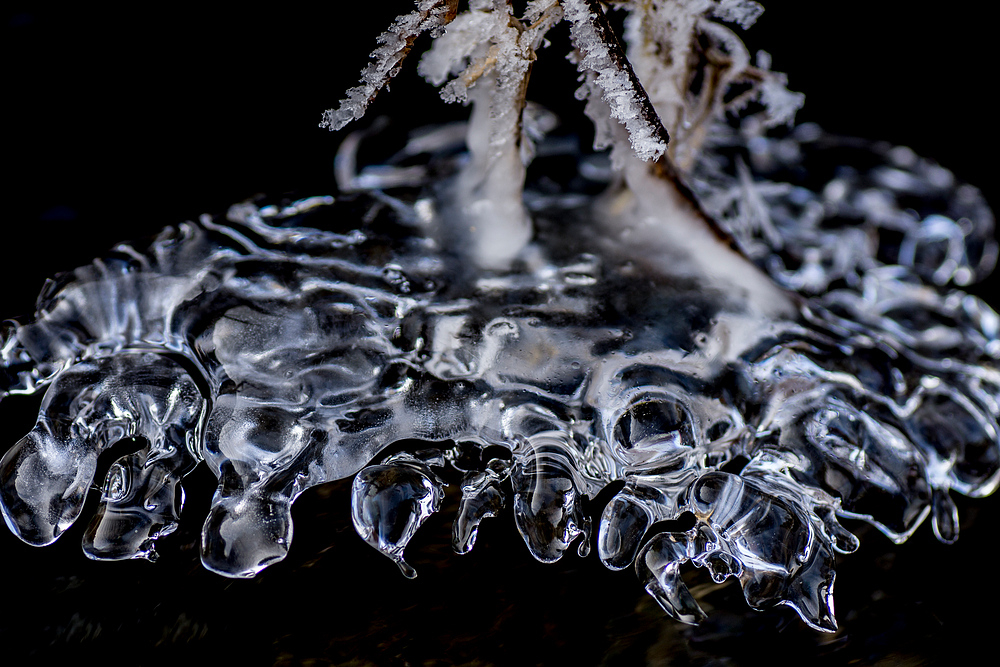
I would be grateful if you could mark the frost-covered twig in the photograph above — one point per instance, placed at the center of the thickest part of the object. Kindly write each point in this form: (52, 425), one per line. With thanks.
(601, 55)
(682, 73)
(387, 59)
(690, 65)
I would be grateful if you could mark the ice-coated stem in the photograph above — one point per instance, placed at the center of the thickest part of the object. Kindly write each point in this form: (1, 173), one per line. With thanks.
(672, 220)
(499, 50)
(668, 214)
(489, 191)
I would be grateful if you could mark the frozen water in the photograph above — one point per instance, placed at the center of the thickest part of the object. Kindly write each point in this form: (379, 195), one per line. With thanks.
(290, 344)
(789, 350)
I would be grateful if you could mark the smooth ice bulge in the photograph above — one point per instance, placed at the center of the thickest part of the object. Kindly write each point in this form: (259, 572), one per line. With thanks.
(746, 341)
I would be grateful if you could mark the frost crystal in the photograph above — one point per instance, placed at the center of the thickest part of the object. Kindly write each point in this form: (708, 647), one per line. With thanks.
(685, 66)
(388, 58)
(609, 72)
(781, 104)
(742, 12)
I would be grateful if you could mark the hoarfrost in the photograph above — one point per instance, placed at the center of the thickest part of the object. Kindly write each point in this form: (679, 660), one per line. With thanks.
(486, 23)
(672, 45)
(781, 103)
(388, 59)
(744, 13)
(675, 46)
(608, 71)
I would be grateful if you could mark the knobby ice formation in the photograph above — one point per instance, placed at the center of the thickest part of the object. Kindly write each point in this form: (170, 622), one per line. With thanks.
(749, 342)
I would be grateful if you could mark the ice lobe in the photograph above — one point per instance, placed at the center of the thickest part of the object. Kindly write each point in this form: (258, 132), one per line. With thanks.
(390, 501)
(88, 408)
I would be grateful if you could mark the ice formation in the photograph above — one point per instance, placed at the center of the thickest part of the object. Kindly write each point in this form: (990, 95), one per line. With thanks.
(747, 342)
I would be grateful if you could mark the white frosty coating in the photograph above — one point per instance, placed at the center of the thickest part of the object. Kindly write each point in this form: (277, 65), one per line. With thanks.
(485, 39)
(663, 41)
(660, 41)
(450, 53)
(387, 59)
(781, 103)
(741, 12)
(624, 101)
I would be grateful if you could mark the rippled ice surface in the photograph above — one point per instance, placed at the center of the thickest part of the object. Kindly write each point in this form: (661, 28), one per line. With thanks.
(735, 407)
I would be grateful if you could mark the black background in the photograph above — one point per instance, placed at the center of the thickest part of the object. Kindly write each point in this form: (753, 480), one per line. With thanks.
(118, 122)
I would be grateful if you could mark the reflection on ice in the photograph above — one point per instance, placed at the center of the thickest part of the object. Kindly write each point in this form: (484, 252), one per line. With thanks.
(748, 337)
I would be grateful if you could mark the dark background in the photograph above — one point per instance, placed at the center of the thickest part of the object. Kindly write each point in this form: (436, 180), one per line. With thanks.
(118, 122)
